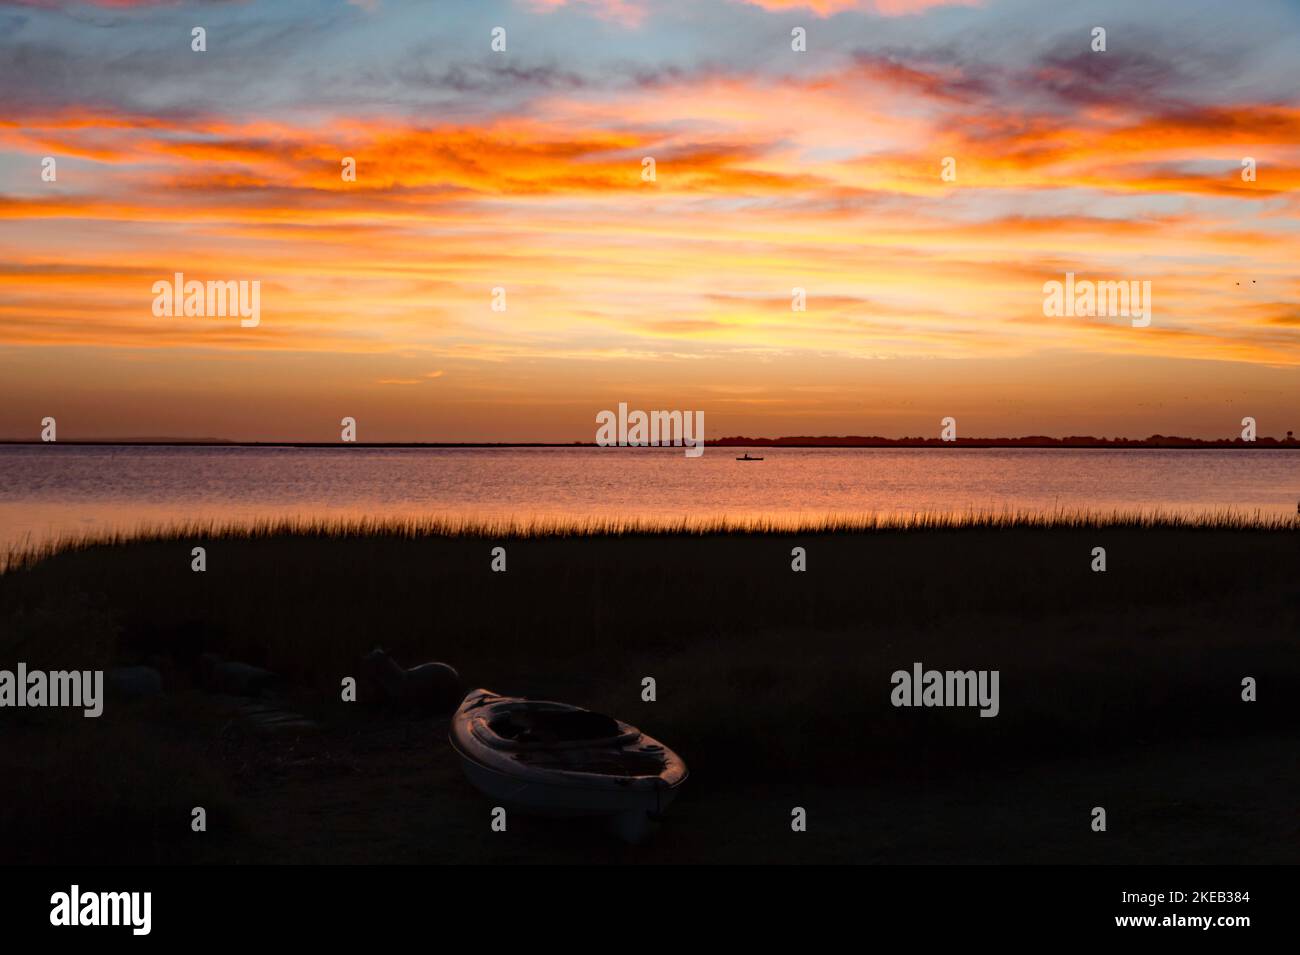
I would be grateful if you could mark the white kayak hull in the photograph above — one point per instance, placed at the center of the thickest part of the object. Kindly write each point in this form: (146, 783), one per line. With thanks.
(551, 759)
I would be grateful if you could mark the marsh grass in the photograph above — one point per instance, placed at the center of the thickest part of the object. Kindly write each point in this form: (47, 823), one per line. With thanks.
(544, 528)
(764, 675)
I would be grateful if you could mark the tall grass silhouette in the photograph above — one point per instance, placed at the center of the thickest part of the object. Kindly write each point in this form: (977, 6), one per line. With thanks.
(542, 528)
(762, 672)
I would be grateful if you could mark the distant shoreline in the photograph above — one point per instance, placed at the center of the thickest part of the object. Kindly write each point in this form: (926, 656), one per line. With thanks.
(1155, 442)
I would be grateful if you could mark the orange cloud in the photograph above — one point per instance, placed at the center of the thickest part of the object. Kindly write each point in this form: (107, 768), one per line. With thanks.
(507, 158)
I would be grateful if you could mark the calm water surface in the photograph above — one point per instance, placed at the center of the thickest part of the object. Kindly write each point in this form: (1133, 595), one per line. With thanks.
(52, 490)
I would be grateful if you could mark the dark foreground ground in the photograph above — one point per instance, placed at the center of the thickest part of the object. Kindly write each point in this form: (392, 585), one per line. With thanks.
(1119, 689)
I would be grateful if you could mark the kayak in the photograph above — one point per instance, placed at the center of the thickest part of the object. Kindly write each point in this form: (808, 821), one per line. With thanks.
(553, 759)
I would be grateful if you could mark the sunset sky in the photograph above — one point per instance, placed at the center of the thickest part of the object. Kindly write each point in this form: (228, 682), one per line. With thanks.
(523, 170)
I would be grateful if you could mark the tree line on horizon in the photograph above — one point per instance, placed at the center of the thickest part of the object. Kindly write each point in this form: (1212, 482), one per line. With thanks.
(1032, 441)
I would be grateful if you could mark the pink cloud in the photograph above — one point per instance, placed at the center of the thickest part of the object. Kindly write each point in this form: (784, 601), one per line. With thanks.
(632, 12)
(889, 8)
(627, 12)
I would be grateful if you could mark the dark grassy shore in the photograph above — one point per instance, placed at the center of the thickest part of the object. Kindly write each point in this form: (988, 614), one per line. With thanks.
(1119, 689)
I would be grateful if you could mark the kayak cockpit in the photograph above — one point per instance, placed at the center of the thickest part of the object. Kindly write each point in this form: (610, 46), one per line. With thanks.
(554, 726)
(533, 725)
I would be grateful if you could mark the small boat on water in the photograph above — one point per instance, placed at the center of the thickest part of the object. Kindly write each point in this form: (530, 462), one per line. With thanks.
(748, 458)
(553, 759)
